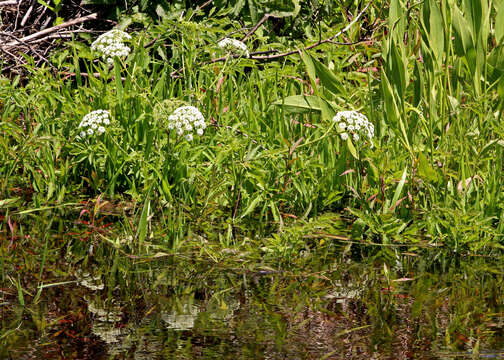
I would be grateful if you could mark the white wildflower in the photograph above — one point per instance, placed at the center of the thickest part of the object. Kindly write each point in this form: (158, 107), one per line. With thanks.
(94, 121)
(356, 124)
(111, 44)
(186, 119)
(234, 46)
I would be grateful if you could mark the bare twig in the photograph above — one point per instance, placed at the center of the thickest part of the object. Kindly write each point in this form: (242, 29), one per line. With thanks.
(29, 47)
(28, 13)
(204, 5)
(68, 74)
(39, 34)
(8, 3)
(253, 30)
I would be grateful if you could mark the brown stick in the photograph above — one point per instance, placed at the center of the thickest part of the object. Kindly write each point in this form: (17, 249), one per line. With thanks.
(39, 34)
(253, 30)
(8, 3)
(28, 13)
(31, 48)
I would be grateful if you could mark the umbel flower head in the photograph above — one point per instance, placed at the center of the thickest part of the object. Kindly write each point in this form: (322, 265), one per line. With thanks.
(111, 44)
(355, 124)
(234, 46)
(94, 123)
(185, 120)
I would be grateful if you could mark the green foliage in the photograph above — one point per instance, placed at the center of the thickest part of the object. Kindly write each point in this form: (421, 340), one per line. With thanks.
(431, 85)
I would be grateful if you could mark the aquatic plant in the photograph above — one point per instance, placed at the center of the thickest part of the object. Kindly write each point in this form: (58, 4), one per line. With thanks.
(355, 124)
(94, 122)
(185, 119)
(234, 46)
(111, 44)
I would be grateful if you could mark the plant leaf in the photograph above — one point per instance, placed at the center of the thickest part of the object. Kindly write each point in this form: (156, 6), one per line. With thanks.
(300, 103)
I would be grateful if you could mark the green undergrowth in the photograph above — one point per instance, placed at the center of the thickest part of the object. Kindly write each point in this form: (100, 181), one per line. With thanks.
(272, 170)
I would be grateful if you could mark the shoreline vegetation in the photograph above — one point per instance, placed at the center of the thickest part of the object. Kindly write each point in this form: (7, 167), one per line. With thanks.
(252, 179)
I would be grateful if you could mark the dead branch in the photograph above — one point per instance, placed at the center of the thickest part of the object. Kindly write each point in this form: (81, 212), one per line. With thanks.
(8, 3)
(254, 29)
(44, 32)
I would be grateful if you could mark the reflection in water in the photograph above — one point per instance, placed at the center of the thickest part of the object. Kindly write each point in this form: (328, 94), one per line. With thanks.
(181, 318)
(336, 311)
(93, 283)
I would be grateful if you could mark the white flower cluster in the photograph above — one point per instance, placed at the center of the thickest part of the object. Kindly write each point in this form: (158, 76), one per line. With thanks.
(186, 119)
(233, 45)
(355, 124)
(94, 122)
(111, 44)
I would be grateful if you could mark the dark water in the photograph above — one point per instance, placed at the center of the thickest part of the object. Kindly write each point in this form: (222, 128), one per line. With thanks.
(327, 304)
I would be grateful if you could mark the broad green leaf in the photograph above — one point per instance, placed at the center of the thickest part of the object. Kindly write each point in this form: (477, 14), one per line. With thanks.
(252, 206)
(238, 7)
(425, 170)
(499, 20)
(464, 39)
(351, 148)
(118, 80)
(275, 212)
(399, 188)
(300, 103)
(398, 69)
(316, 69)
(474, 11)
(326, 110)
(434, 28)
(397, 20)
(310, 68)
(393, 115)
(419, 83)
(500, 87)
